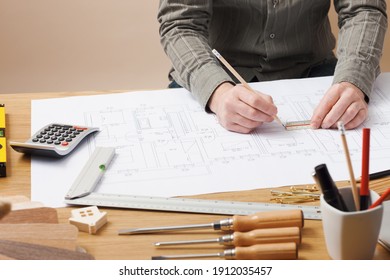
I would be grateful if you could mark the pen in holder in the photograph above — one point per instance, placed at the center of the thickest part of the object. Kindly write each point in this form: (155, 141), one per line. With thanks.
(351, 235)
(328, 187)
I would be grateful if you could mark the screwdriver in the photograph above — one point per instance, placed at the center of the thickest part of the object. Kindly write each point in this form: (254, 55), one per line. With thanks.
(272, 251)
(272, 219)
(257, 236)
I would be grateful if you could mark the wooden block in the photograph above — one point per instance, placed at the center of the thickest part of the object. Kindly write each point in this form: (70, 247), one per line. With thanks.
(26, 205)
(14, 198)
(25, 251)
(36, 215)
(21, 202)
(54, 235)
(88, 219)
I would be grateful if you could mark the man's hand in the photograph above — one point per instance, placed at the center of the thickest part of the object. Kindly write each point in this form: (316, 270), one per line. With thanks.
(342, 102)
(239, 109)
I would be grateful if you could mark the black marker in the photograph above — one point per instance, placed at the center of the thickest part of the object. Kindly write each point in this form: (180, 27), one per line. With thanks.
(328, 188)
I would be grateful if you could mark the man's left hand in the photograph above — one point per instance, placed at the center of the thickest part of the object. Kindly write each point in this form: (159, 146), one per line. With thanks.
(342, 102)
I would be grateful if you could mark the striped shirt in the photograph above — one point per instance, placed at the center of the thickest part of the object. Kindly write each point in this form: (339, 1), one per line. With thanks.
(270, 40)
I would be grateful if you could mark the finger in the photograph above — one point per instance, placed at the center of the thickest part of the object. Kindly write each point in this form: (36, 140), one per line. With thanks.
(338, 111)
(352, 111)
(325, 105)
(258, 102)
(245, 122)
(251, 113)
(345, 109)
(238, 128)
(358, 120)
(235, 122)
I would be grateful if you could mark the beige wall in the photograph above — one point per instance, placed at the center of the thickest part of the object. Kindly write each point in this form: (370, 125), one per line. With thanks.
(76, 45)
(72, 45)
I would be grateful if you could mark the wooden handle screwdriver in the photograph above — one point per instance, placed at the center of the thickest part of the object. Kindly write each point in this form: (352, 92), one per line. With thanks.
(274, 251)
(272, 219)
(238, 239)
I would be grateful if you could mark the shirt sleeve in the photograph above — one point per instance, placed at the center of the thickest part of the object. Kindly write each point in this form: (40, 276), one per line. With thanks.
(184, 36)
(362, 28)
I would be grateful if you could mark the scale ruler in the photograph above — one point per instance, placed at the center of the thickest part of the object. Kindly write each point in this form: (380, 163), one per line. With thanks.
(190, 205)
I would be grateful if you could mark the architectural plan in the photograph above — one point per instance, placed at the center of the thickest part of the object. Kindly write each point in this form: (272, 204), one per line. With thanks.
(167, 145)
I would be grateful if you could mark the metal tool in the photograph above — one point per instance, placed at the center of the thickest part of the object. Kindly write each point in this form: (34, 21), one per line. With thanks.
(294, 125)
(189, 205)
(257, 236)
(286, 218)
(91, 173)
(274, 251)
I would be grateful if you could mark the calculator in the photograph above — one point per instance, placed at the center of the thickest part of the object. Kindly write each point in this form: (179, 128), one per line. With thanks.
(54, 140)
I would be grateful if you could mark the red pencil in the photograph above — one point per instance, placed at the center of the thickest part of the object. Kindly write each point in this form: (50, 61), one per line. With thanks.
(364, 188)
(381, 199)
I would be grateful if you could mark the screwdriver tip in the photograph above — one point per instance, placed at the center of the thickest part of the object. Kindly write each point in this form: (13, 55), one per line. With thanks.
(158, 258)
(157, 244)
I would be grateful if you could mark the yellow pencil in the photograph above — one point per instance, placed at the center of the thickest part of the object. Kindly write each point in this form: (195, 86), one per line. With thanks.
(235, 74)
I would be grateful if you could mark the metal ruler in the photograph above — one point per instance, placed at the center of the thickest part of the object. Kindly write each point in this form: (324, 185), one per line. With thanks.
(295, 125)
(82, 193)
(189, 205)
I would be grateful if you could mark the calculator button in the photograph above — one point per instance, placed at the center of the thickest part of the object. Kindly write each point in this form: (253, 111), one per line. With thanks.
(42, 141)
(35, 140)
(64, 144)
(57, 142)
(68, 139)
(49, 141)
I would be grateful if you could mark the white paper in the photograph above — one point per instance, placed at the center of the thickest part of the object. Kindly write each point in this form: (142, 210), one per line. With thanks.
(166, 145)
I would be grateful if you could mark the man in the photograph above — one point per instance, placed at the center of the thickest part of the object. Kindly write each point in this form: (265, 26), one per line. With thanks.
(270, 40)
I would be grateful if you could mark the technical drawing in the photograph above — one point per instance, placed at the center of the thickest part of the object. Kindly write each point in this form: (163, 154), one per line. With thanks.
(167, 145)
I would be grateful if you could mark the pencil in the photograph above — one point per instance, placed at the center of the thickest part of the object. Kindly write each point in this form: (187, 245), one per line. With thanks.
(380, 199)
(350, 169)
(239, 78)
(364, 187)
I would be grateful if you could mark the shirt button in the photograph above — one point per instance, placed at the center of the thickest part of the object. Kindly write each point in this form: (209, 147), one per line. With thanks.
(272, 35)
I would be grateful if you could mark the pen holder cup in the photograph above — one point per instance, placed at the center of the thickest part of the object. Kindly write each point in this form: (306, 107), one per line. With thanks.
(351, 235)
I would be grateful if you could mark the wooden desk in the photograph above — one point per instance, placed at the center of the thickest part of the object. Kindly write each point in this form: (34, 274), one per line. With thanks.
(107, 245)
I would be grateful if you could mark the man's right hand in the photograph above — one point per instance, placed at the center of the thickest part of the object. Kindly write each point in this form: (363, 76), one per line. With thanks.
(241, 110)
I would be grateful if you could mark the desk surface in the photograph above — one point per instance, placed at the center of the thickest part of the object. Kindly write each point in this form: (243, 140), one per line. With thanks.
(107, 245)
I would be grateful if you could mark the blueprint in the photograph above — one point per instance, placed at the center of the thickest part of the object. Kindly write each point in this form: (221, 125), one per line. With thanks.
(167, 145)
